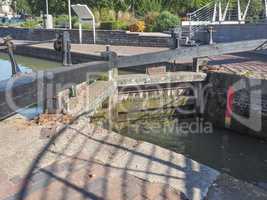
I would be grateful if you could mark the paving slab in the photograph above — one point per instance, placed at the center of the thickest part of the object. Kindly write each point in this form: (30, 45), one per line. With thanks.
(82, 142)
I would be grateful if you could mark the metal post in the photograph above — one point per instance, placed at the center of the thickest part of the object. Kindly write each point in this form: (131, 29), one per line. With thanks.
(15, 68)
(265, 2)
(47, 11)
(190, 27)
(66, 49)
(210, 30)
(80, 32)
(70, 24)
(10, 47)
(94, 32)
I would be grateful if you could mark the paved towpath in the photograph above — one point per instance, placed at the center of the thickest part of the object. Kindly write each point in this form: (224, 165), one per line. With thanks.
(83, 161)
(114, 163)
(250, 63)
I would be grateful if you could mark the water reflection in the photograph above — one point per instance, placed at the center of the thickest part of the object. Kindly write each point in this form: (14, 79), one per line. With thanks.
(26, 64)
(241, 156)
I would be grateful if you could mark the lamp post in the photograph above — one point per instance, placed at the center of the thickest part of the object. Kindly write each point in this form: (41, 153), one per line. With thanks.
(47, 12)
(69, 4)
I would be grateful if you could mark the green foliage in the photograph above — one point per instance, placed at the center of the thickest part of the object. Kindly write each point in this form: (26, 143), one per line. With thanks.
(85, 26)
(149, 6)
(253, 13)
(112, 10)
(22, 6)
(62, 21)
(31, 24)
(150, 19)
(113, 25)
(106, 14)
(165, 21)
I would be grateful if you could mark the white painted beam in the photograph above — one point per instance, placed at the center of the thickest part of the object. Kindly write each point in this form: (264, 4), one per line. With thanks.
(246, 10)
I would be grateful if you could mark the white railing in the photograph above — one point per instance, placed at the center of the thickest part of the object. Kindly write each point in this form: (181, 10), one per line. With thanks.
(219, 12)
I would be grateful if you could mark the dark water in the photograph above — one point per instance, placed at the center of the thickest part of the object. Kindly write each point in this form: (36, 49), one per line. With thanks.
(26, 64)
(241, 156)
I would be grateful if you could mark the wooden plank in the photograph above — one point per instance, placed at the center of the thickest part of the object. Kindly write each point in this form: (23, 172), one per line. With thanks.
(168, 78)
(186, 54)
(25, 90)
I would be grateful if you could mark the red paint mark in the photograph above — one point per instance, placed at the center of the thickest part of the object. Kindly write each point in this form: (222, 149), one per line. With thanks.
(229, 106)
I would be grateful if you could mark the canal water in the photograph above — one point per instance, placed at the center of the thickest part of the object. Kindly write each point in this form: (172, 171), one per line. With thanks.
(26, 64)
(241, 156)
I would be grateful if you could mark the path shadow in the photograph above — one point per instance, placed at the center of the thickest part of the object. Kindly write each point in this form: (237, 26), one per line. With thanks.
(96, 165)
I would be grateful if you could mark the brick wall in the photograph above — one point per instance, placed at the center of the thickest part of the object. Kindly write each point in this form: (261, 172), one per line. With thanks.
(234, 32)
(244, 102)
(102, 37)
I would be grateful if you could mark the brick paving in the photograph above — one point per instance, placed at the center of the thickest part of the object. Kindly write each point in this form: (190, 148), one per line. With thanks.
(247, 63)
(74, 179)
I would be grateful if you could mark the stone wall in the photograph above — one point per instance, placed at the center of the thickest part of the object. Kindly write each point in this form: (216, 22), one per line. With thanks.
(102, 37)
(234, 32)
(246, 102)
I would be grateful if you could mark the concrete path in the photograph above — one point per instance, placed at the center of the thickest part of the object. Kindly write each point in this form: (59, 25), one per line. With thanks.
(86, 162)
(139, 165)
(96, 49)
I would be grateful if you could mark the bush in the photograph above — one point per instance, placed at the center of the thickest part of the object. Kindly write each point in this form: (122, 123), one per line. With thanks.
(62, 21)
(150, 19)
(165, 21)
(31, 24)
(113, 25)
(97, 15)
(107, 14)
(126, 17)
(85, 26)
(138, 26)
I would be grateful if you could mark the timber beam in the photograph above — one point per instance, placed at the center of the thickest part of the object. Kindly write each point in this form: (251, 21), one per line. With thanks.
(187, 54)
(26, 90)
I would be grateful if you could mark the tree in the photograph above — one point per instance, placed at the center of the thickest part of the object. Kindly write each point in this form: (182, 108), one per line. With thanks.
(21, 6)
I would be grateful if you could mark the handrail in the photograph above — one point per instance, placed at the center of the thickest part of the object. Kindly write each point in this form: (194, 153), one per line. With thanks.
(200, 8)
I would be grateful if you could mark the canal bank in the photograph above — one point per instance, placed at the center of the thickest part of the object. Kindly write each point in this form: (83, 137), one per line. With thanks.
(82, 159)
(151, 159)
(191, 135)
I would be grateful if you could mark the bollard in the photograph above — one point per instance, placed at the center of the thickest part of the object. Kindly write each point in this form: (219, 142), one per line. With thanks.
(210, 31)
(176, 36)
(63, 45)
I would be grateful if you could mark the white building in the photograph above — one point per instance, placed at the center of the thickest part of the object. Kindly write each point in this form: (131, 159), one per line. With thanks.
(5, 7)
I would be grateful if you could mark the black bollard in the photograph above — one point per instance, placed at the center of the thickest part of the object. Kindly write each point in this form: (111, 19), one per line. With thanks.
(63, 45)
